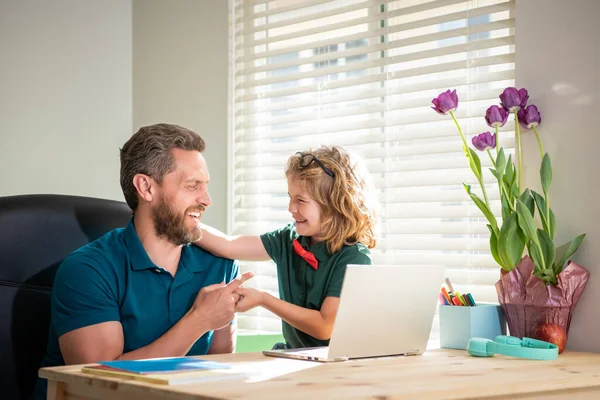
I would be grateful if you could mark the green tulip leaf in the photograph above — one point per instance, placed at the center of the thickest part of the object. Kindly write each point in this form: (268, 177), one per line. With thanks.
(505, 207)
(552, 224)
(509, 173)
(494, 246)
(537, 257)
(546, 174)
(475, 163)
(511, 242)
(528, 201)
(526, 222)
(575, 243)
(500, 162)
(500, 166)
(482, 206)
(515, 190)
(547, 272)
(548, 251)
(541, 206)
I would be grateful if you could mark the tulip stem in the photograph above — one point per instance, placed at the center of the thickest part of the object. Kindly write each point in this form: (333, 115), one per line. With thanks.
(487, 202)
(471, 162)
(497, 140)
(510, 204)
(462, 136)
(519, 156)
(537, 136)
(500, 183)
(491, 158)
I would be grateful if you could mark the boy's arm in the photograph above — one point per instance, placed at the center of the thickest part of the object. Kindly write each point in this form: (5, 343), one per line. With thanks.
(316, 323)
(249, 248)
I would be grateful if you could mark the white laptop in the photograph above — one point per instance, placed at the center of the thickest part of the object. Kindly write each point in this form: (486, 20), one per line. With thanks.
(384, 311)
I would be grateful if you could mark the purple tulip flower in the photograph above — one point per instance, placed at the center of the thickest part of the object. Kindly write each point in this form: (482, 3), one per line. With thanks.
(524, 97)
(484, 141)
(496, 116)
(446, 102)
(513, 100)
(529, 117)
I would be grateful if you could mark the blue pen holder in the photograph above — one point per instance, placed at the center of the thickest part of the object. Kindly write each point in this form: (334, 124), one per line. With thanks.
(459, 324)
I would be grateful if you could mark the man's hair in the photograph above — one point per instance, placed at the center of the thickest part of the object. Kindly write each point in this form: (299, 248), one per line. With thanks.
(347, 202)
(148, 152)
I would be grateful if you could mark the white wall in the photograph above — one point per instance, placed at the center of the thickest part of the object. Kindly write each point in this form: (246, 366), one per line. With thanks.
(558, 59)
(180, 51)
(65, 95)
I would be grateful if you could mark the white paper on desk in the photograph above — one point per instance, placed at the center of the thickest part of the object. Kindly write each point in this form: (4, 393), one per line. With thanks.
(258, 371)
(217, 375)
(248, 372)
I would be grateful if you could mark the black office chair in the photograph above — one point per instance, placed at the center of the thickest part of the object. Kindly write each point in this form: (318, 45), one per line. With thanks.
(36, 233)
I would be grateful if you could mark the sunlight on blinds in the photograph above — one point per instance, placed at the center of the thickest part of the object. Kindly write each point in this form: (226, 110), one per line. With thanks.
(361, 74)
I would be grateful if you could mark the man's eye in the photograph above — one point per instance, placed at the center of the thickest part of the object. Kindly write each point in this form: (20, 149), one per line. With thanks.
(192, 187)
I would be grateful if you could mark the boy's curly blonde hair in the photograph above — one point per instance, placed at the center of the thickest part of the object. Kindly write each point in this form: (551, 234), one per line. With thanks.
(346, 200)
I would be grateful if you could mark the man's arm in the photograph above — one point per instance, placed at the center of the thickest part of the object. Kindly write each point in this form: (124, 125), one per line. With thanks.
(213, 309)
(249, 248)
(223, 340)
(107, 339)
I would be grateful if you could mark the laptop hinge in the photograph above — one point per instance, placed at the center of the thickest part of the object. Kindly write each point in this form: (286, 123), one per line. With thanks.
(412, 353)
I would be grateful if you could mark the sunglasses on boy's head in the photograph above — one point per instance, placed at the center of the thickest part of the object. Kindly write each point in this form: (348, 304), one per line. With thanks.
(307, 159)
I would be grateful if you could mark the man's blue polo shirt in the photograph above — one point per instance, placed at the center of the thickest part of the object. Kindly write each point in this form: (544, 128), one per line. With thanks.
(113, 279)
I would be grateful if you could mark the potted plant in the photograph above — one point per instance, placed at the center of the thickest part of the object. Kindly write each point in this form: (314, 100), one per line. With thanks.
(539, 285)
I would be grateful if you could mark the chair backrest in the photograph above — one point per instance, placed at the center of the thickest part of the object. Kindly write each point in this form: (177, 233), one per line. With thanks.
(36, 233)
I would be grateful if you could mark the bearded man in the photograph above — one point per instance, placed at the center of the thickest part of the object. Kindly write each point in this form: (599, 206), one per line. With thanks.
(142, 291)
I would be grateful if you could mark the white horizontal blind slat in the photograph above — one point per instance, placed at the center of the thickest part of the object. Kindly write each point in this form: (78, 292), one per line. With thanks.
(249, 105)
(454, 33)
(313, 33)
(439, 52)
(320, 88)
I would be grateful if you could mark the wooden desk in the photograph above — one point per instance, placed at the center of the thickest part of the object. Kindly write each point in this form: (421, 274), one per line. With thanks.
(438, 374)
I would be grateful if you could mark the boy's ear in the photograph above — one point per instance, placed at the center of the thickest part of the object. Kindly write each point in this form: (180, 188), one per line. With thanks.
(145, 187)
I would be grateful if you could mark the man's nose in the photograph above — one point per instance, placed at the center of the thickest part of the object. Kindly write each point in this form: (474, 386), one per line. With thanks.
(204, 199)
(292, 207)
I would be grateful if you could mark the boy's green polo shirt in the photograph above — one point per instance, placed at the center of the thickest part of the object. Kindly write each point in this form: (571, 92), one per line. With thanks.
(304, 286)
(113, 279)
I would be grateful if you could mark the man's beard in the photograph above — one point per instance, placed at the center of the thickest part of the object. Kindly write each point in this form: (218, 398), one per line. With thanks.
(172, 226)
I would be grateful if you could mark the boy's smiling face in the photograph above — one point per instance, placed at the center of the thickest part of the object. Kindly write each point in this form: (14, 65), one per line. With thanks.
(304, 209)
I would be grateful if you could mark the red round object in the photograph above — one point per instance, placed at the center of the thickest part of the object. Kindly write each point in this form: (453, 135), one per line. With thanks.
(552, 333)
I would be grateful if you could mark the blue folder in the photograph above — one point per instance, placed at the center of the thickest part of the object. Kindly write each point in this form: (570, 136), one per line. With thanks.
(164, 365)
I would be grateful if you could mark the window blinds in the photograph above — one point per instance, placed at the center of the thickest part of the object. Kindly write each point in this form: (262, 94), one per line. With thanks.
(361, 74)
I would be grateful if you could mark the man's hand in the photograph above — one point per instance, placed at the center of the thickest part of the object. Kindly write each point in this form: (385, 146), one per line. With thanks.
(215, 304)
(249, 298)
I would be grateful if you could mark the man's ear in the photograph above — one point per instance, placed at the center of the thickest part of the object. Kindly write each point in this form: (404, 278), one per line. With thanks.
(145, 186)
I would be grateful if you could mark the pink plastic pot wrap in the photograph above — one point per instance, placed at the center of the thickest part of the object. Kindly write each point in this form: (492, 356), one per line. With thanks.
(528, 303)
